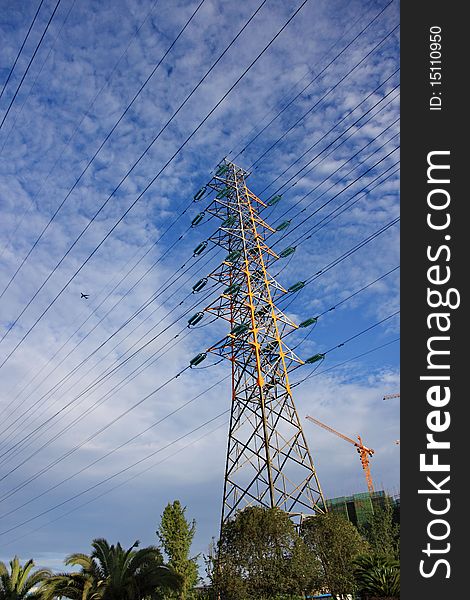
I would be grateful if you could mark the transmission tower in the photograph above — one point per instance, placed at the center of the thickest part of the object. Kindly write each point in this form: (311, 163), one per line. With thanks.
(268, 462)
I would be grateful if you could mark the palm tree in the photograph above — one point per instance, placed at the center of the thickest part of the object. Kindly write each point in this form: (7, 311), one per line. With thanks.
(19, 583)
(112, 573)
(378, 577)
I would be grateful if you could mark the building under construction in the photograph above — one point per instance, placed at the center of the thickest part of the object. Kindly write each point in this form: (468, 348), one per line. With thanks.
(359, 508)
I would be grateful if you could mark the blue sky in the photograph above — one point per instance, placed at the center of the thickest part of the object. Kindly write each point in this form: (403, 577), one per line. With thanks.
(91, 63)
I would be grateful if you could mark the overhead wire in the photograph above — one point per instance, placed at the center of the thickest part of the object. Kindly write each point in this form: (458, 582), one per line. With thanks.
(162, 169)
(309, 71)
(87, 166)
(38, 45)
(72, 135)
(345, 362)
(337, 138)
(258, 160)
(21, 49)
(123, 470)
(113, 450)
(314, 79)
(132, 477)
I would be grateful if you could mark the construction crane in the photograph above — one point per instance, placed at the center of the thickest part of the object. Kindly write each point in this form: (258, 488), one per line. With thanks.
(388, 396)
(363, 451)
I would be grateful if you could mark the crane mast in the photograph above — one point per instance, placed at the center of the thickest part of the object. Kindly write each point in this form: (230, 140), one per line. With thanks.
(363, 451)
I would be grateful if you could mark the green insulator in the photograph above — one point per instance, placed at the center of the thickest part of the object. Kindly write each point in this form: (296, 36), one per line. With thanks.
(274, 200)
(287, 252)
(232, 289)
(229, 221)
(232, 256)
(308, 322)
(199, 194)
(195, 319)
(297, 286)
(200, 248)
(223, 193)
(315, 358)
(221, 170)
(239, 329)
(283, 225)
(197, 219)
(197, 359)
(197, 287)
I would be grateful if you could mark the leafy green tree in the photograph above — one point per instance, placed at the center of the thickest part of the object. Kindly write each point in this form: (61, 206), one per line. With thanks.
(378, 577)
(382, 533)
(112, 573)
(336, 543)
(20, 583)
(259, 556)
(176, 535)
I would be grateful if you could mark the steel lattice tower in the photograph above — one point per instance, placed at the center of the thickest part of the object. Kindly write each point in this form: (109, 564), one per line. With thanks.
(268, 461)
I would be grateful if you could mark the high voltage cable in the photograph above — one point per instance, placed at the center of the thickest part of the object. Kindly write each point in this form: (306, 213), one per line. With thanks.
(336, 261)
(314, 79)
(152, 180)
(21, 49)
(115, 449)
(353, 337)
(301, 79)
(141, 338)
(91, 161)
(356, 153)
(337, 304)
(344, 256)
(208, 433)
(324, 96)
(115, 474)
(138, 474)
(106, 373)
(76, 420)
(121, 298)
(303, 221)
(347, 204)
(118, 301)
(351, 126)
(153, 297)
(38, 45)
(360, 246)
(344, 362)
(20, 110)
(87, 112)
(345, 188)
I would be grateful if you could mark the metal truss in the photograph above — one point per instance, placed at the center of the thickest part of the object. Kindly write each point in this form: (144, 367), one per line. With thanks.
(268, 461)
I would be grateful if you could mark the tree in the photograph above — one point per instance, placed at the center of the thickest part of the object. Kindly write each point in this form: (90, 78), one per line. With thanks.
(336, 543)
(112, 573)
(378, 577)
(260, 555)
(19, 583)
(176, 535)
(382, 533)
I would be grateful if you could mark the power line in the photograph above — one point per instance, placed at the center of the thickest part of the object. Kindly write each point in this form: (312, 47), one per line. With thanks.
(86, 169)
(21, 49)
(323, 97)
(345, 362)
(29, 64)
(314, 79)
(152, 180)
